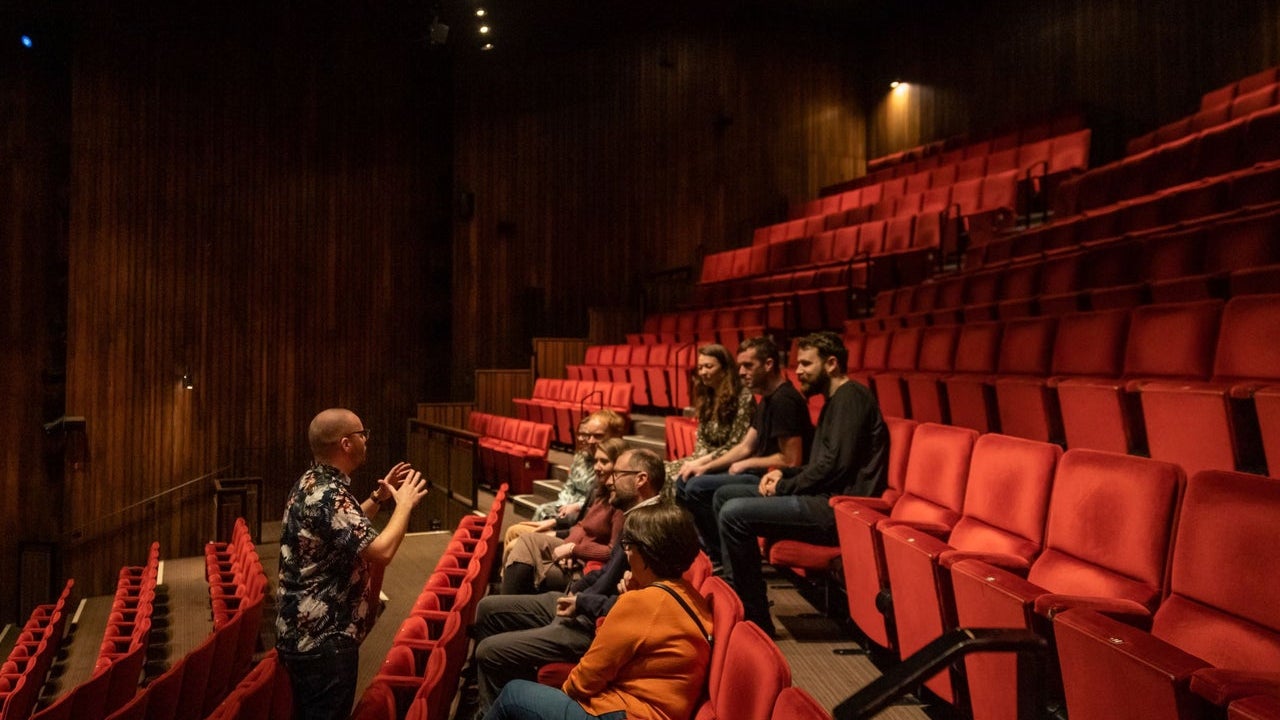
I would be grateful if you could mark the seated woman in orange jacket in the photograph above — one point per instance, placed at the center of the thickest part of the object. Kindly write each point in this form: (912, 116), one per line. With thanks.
(649, 659)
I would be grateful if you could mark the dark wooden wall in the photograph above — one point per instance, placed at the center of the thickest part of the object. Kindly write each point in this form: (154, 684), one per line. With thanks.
(257, 203)
(35, 95)
(596, 163)
(1130, 66)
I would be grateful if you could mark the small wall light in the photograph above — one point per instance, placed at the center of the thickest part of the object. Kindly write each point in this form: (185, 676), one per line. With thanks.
(188, 382)
(896, 84)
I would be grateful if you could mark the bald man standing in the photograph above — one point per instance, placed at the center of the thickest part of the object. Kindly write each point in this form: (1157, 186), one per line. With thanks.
(327, 547)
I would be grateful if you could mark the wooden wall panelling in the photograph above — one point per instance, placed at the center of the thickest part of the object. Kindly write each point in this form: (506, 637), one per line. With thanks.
(257, 214)
(550, 355)
(495, 388)
(448, 414)
(35, 94)
(599, 163)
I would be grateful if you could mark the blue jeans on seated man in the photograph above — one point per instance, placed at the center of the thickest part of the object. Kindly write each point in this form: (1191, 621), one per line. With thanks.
(525, 700)
(324, 679)
(745, 516)
(697, 495)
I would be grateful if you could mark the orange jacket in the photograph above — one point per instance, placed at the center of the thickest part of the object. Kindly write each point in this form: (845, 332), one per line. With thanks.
(648, 658)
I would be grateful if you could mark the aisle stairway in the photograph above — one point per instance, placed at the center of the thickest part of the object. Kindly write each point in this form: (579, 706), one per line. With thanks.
(650, 432)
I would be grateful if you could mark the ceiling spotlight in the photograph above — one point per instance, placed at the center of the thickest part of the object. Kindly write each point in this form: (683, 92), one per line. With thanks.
(480, 12)
(484, 29)
(895, 85)
(487, 46)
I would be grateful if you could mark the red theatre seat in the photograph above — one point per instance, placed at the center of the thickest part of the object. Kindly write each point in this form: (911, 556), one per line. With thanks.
(1216, 632)
(1166, 341)
(1005, 503)
(1110, 522)
(933, 492)
(1213, 425)
(1086, 344)
(754, 674)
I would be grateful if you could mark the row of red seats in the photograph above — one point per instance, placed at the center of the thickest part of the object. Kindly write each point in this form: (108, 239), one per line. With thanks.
(1230, 102)
(563, 403)
(857, 249)
(1196, 205)
(123, 652)
(265, 694)
(1243, 86)
(658, 373)
(235, 574)
(1050, 156)
(1216, 631)
(941, 152)
(419, 676)
(996, 531)
(512, 452)
(197, 684)
(1126, 381)
(1238, 255)
(728, 326)
(1209, 153)
(23, 673)
(681, 435)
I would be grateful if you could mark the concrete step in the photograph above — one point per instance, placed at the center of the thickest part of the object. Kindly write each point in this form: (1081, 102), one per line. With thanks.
(659, 446)
(559, 462)
(653, 426)
(524, 505)
(547, 489)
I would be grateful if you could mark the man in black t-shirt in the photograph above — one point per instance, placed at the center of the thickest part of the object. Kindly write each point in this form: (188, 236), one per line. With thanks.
(849, 457)
(778, 437)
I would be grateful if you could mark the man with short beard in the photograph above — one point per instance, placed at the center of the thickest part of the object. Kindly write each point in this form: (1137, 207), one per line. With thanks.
(849, 457)
(517, 634)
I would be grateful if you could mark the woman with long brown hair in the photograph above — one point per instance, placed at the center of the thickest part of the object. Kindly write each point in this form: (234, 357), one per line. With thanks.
(723, 406)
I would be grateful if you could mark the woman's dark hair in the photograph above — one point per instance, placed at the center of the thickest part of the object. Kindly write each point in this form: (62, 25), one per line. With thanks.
(720, 401)
(664, 535)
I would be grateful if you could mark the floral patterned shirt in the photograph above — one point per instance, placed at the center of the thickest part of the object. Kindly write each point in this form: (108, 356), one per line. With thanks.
(323, 578)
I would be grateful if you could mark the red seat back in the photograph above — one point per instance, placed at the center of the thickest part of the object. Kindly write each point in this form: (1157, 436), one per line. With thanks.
(1111, 519)
(937, 470)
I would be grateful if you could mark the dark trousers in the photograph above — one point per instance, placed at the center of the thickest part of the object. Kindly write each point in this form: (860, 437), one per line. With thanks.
(698, 496)
(517, 634)
(324, 679)
(745, 516)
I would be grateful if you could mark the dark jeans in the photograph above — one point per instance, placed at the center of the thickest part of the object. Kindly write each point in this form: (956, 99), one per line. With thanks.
(745, 517)
(524, 700)
(698, 494)
(324, 679)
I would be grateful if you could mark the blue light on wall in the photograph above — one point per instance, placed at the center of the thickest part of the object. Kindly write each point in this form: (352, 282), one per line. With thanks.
(26, 41)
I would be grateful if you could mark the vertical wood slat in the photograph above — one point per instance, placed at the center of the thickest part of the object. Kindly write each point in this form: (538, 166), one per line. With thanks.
(241, 212)
(453, 415)
(550, 355)
(495, 388)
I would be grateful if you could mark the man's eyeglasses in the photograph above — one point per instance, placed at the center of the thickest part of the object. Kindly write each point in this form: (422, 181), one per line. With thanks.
(616, 473)
(590, 436)
(365, 433)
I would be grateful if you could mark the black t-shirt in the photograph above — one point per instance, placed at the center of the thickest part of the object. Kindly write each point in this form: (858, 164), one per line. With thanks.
(781, 413)
(850, 449)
